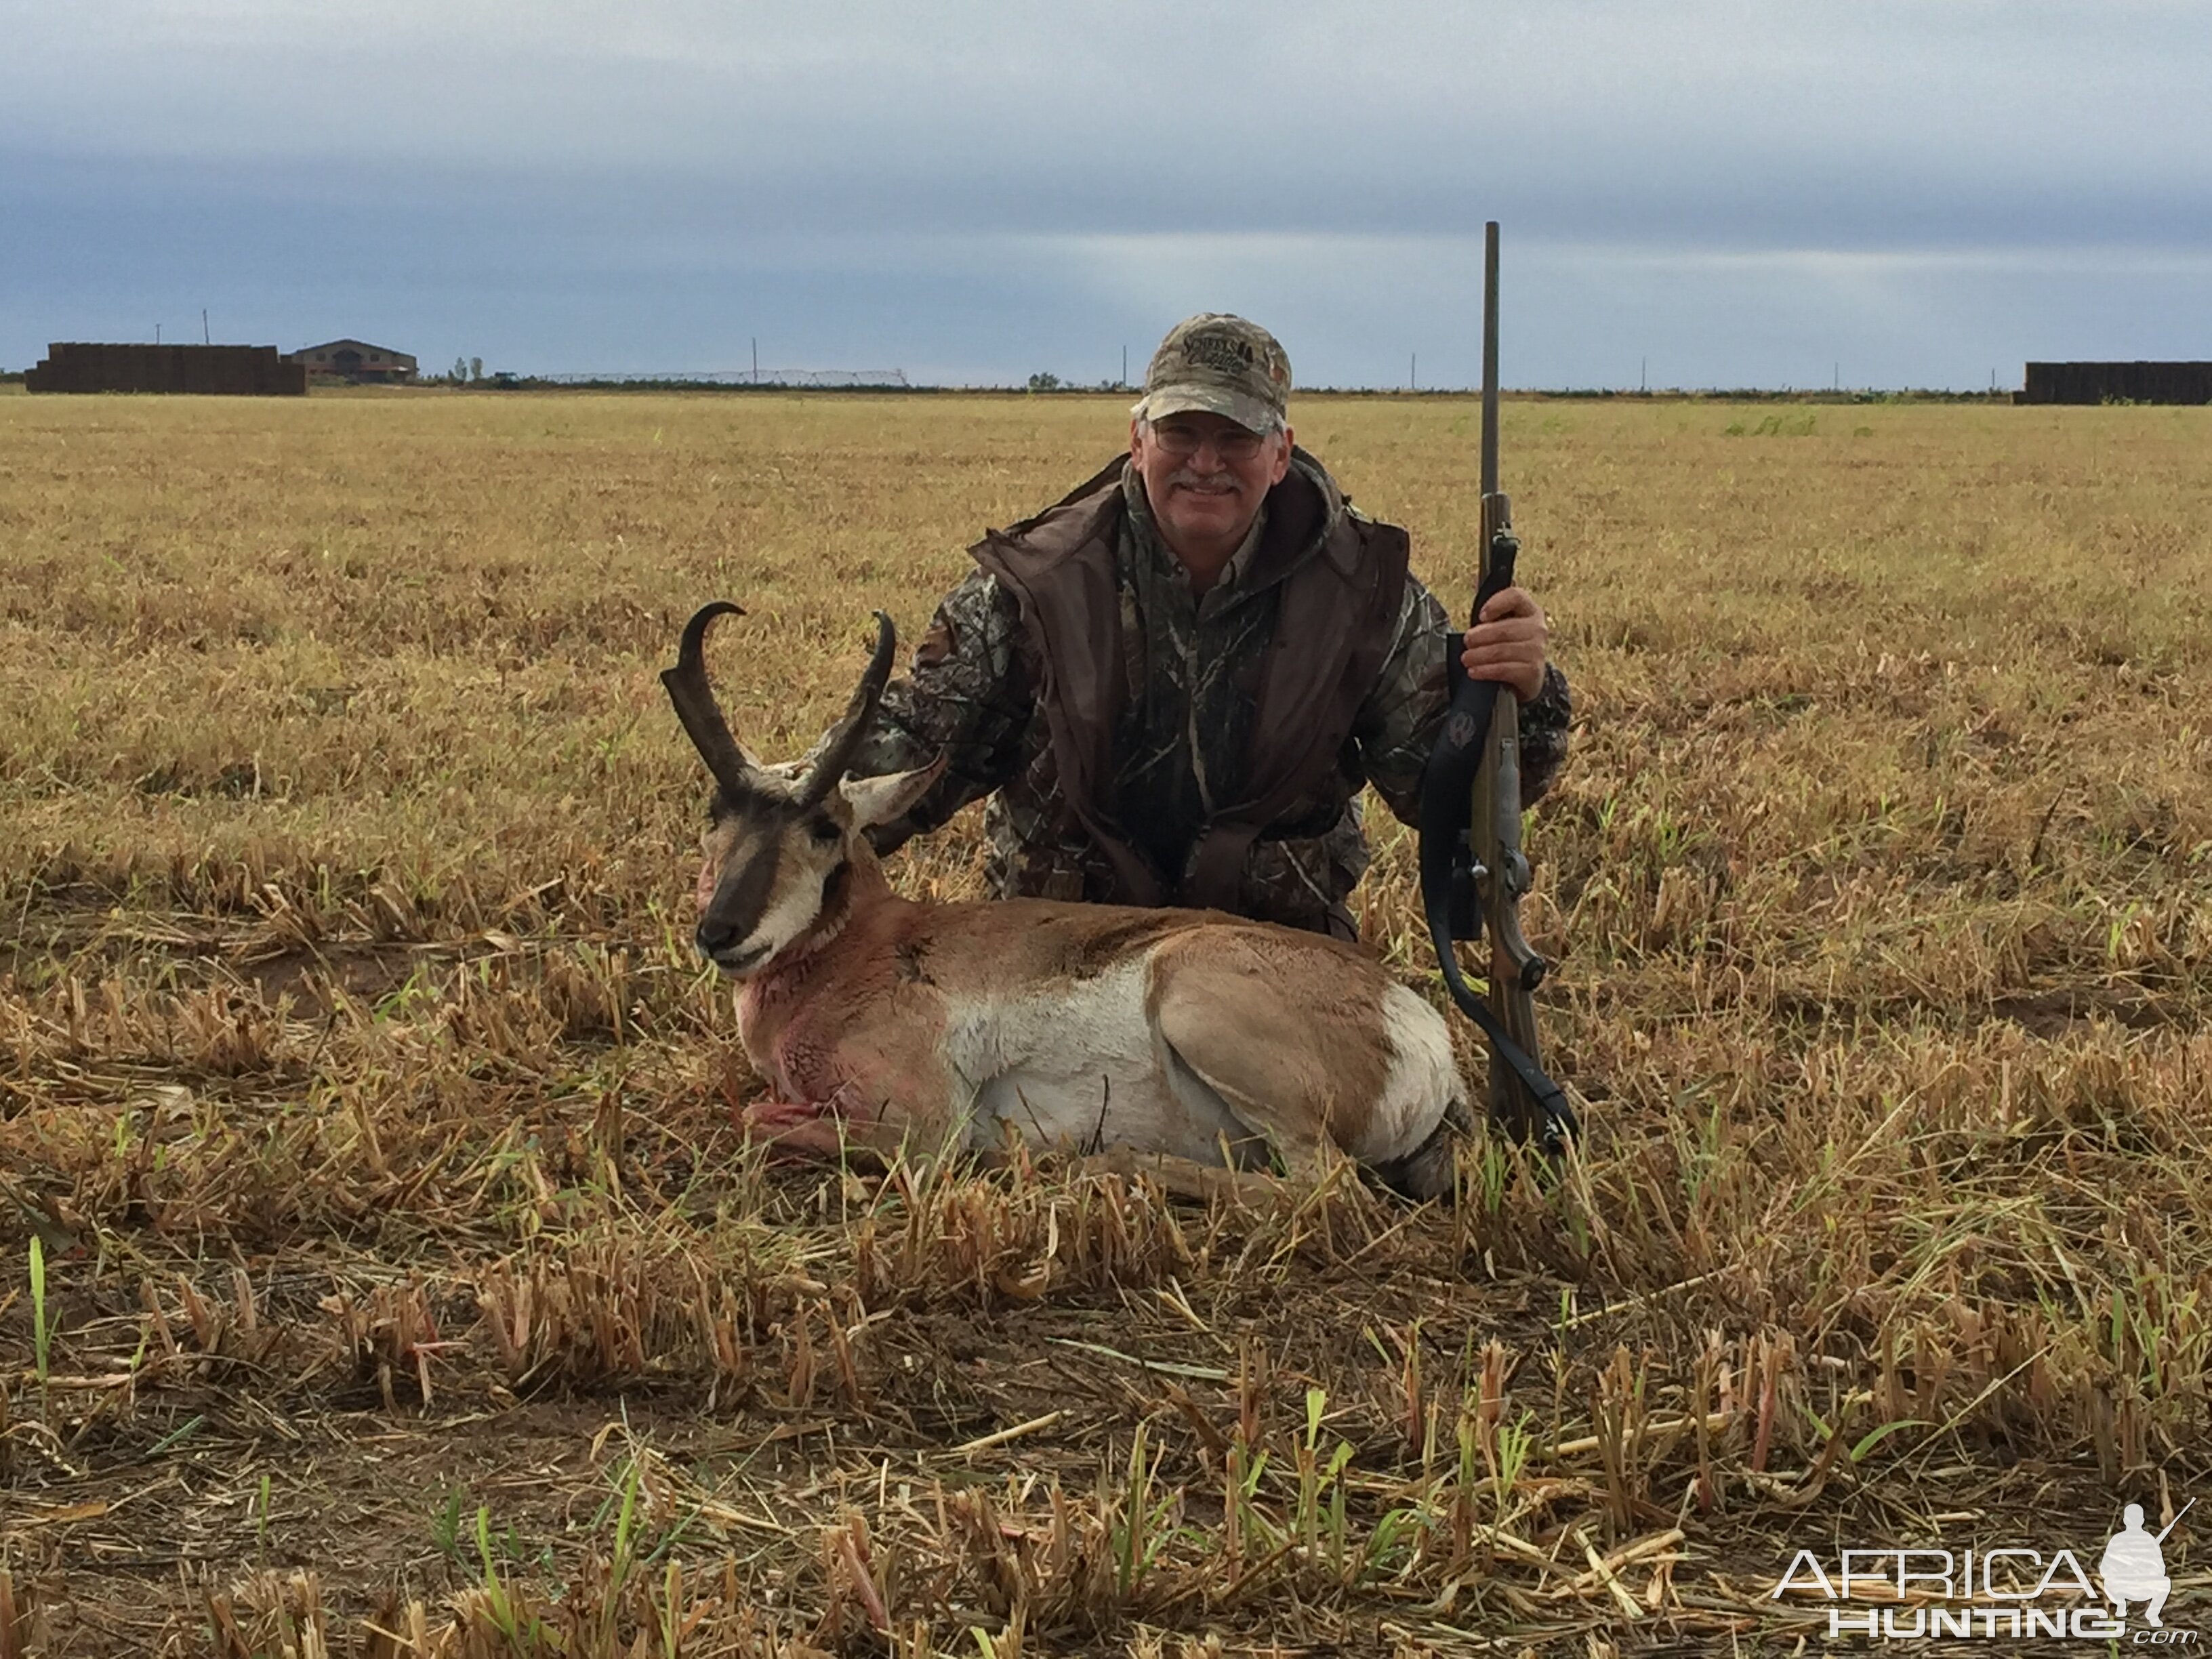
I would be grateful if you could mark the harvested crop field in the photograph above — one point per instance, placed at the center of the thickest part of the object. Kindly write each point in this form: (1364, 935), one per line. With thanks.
(381, 1271)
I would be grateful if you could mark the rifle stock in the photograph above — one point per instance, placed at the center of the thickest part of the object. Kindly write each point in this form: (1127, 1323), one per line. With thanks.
(1474, 873)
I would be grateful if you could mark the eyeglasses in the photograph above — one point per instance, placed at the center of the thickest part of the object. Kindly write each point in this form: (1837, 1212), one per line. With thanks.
(1232, 444)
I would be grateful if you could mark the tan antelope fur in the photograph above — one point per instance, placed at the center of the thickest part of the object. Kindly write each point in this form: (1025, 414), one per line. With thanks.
(879, 1021)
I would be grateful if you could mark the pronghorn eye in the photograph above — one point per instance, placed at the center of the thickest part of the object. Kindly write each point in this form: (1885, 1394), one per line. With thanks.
(824, 831)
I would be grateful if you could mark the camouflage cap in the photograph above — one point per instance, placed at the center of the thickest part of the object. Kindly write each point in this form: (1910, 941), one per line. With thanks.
(1220, 365)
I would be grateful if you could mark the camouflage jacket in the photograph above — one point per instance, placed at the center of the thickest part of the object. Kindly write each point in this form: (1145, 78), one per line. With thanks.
(1191, 666)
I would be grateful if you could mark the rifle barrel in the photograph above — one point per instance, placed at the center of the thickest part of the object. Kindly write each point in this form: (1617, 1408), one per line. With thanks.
(1489, 358)
(2176, 1521)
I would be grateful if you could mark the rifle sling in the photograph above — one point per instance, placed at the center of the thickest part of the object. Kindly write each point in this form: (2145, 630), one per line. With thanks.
(1447, 783)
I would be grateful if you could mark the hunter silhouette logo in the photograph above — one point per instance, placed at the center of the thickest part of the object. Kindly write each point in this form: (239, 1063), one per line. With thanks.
(2004, 1593)
(2134, 1567)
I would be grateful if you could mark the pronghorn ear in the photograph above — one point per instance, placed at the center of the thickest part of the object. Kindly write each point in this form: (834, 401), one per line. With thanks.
(879, 800)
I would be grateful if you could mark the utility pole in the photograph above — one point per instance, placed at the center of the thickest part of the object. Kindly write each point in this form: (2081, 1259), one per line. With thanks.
(205, 337)
(1413, 362)
(1124, 381)
(755, 359)
(1644, 374)
(157, 334)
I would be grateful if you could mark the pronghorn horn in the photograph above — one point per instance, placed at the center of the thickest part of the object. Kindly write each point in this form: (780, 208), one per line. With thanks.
(696, 707)
(844, 739)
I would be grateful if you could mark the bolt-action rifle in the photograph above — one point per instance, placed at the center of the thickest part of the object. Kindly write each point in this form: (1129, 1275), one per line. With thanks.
(1472, 873)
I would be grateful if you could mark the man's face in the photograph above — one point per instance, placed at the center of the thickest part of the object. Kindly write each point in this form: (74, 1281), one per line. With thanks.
(1206, 476)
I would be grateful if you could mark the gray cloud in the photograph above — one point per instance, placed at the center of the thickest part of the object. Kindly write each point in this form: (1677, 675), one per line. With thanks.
(1746, 188)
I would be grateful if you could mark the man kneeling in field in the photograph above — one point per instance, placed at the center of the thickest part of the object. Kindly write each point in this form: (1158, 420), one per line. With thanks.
(1172, 683)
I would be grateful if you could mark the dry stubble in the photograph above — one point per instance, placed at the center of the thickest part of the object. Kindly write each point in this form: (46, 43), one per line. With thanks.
(374, 1115)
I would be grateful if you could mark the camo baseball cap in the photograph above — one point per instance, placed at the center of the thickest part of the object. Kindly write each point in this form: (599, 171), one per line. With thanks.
(1219, 365)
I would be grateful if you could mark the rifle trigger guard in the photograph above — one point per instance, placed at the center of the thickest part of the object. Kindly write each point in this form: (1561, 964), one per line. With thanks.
(1516, 876)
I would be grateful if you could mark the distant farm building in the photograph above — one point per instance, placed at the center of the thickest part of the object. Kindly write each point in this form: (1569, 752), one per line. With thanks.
(223, 370)
(2112, 383)
(356, 360)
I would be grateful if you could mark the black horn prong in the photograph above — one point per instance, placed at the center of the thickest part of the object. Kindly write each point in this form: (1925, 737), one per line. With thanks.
(844, 739)
(695, 706)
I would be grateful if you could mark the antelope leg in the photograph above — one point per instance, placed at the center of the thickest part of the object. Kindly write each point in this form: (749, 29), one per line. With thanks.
(1181, 1178)
(793, 1128)
(1228, 1029)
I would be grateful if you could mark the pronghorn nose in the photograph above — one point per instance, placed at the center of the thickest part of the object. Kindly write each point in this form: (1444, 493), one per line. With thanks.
(721, 943)
(734, 911)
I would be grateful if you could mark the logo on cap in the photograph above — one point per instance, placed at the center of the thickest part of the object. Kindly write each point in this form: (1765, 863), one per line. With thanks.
(1220, 364)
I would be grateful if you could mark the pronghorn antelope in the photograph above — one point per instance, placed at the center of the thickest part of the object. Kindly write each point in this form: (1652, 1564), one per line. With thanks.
(877, 1020)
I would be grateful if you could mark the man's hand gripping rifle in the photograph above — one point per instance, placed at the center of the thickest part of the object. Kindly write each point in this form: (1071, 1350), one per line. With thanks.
(1472, 873)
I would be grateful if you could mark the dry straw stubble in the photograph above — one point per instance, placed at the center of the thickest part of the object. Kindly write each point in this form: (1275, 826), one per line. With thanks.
(407, 1289)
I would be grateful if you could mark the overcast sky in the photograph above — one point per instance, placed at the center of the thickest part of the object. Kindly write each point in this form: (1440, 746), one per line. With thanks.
(1712, 193)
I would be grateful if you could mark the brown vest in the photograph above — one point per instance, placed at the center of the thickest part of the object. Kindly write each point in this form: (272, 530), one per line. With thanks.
(1338, 613)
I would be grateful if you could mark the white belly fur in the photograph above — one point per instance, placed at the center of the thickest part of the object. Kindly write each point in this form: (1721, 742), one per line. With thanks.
(1080, 1068)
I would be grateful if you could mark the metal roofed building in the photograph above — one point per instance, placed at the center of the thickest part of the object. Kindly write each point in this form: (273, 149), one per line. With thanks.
(357, 361)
